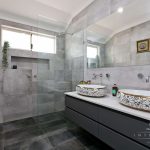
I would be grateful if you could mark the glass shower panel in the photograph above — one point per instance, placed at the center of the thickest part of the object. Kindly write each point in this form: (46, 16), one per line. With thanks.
(50, 81)
(77, 56)
(58, 72)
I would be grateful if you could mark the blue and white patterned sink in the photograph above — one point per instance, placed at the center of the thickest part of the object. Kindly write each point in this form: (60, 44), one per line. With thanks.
(138, 99)
(91, 90)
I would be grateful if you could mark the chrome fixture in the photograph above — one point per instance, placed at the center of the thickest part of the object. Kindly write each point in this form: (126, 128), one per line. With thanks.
(147, 79)
(107, 75)
(35, 76)
(140, 76)
(95, 76)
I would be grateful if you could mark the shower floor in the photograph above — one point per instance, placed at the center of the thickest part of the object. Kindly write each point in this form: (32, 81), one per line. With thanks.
(47, 132)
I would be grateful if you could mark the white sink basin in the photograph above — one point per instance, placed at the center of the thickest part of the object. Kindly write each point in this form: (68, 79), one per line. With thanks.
(139, 99)
(91, 90)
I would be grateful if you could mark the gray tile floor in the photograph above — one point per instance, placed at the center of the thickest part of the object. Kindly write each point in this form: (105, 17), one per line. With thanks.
(47, 132)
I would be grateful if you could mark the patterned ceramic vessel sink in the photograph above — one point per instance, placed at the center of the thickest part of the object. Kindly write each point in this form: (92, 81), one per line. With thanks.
(91, 90)
(139, 99)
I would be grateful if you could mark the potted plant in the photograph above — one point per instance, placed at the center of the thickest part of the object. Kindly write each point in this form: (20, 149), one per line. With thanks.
(5, 55)
(4, 59)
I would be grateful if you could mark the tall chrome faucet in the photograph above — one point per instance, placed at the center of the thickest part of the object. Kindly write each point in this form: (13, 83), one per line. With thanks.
(141, 76)
(95, 76)
(147, 79)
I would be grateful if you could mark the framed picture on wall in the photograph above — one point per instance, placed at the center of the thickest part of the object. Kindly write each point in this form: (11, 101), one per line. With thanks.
(143, 46)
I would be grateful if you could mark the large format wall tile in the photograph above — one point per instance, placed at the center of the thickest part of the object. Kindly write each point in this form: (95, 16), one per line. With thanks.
(1, 117)
(1, 75)
(124, 77)
(63, 86)
(17, 82)
(43, 86)
(59, 75)
(17, 107)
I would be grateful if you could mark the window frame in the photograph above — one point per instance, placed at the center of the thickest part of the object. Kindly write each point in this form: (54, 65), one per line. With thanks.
(43, 35)
(13, 29)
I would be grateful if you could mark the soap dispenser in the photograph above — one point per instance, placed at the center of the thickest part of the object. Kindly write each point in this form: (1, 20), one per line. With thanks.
(114, 90)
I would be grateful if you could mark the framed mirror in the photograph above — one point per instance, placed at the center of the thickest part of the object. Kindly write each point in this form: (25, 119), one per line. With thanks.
(120, 39)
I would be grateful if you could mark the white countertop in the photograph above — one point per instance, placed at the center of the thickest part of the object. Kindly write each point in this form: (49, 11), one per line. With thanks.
(113, 103)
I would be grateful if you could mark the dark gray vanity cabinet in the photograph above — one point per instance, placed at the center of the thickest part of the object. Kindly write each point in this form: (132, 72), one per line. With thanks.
(125, 124)
(118, 141)
(118, 130)
(86, 123)
(83, 107)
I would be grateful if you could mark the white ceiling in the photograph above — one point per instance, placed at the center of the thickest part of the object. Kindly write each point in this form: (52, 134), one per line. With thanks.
(137, 12)
(57, 13)
(71, 7)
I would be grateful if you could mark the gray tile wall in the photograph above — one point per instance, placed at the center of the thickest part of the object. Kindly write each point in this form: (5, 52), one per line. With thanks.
(37, 87)
(124, 77)
(74, 58)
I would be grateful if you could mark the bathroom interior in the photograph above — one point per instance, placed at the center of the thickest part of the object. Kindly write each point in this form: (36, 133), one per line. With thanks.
(74, 75)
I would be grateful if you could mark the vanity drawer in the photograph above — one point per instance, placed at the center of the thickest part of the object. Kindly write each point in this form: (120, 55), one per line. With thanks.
(125, 124)
(86, 123)
(117, 141)
(88, 109)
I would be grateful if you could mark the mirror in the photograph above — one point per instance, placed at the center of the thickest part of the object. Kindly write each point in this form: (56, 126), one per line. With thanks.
(120, 39)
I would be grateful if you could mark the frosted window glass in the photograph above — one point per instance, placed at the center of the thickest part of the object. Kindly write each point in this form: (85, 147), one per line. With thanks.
(92, 52)
(17, 40)
(44, 44)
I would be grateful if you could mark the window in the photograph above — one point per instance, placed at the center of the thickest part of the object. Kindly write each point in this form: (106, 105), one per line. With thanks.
(26, 40)
(18, 40)
(92, 51)
(92, 56)
(43, 44)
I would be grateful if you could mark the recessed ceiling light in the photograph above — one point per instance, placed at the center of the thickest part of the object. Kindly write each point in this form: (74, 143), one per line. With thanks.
(120, 10)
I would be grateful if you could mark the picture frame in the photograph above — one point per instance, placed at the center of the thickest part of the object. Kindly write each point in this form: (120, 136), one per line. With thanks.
(143, 46)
